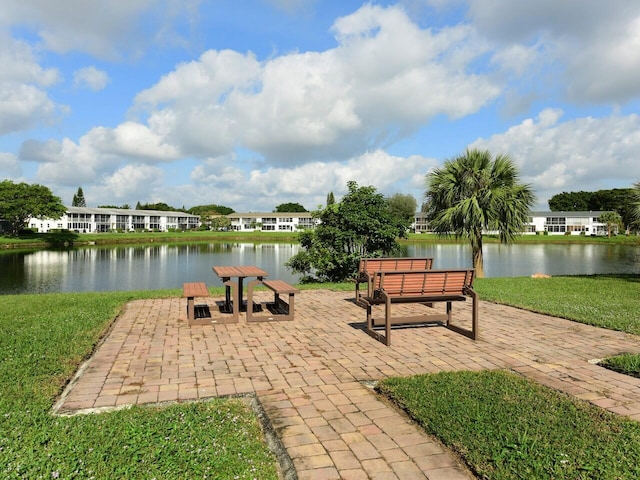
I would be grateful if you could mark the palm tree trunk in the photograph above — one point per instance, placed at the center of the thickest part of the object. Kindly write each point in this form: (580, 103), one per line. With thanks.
(478, 260)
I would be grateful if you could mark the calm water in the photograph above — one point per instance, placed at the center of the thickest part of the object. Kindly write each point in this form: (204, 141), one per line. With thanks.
(148, 267)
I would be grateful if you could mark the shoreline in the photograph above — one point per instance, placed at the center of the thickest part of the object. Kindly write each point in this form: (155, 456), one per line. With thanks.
(105, 239)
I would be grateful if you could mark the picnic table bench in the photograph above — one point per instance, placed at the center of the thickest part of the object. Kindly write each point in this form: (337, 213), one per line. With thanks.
(369, 266)
(426, 286)
(191, 291)
(279, 309)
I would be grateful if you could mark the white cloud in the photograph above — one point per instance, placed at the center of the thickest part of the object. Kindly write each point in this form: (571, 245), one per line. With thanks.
(91, 78)
(102, 29)
(593, 44)
(302, 107)
(581, 154)
(9, 166)
(132, 181)
(310, 183)
(24, 101)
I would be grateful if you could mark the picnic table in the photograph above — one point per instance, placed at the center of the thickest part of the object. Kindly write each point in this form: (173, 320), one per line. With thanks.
(234, 287)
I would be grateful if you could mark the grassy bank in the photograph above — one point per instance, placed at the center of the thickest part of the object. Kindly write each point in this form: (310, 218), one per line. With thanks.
(609, 301)
(46, 239)
(43, 338)
(504, 426)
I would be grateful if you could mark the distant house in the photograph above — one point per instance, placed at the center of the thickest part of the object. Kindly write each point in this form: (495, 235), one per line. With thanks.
(553, 223)
(90, 220)
(271, 222)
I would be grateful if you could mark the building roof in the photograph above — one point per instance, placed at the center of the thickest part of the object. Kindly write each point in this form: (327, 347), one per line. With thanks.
(123, 211)
(594, 213)
(271, 214)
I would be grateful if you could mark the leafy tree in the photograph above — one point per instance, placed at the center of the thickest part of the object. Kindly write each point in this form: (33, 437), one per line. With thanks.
(611, 219)
(403, 206)
(123, 207)
(161, 206)
(635, 206)
(619, 200)
(78, 199)
(477, 192)
(220, 223)
(359, 225)
(21, 201)
(204, 210)
(571, 202)
(330, 199)
(290, 208)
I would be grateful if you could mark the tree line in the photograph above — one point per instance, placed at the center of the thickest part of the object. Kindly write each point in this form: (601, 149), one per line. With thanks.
(470, 194)
(619, 200)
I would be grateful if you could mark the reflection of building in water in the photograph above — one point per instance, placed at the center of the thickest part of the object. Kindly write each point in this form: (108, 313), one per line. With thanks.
(86, 220)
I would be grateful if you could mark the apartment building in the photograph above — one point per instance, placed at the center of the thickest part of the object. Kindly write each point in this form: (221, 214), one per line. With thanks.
(271, 222)
(90, 220)
(551, 223)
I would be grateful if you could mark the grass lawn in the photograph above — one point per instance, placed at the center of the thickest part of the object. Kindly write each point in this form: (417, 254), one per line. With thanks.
(608, 301)
(504, 426)
(507, 427)
(43, 338)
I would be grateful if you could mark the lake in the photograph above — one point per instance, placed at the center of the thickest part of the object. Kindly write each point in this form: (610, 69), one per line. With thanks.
(150, 267)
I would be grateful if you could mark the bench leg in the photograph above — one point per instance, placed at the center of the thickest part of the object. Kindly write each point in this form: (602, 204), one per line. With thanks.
(231, 288)
(250, 287)
(473, 333)
(288, 307)
(191, 309)
(386, 338)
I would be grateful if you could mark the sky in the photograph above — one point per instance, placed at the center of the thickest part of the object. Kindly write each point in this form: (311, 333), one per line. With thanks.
(255, 103)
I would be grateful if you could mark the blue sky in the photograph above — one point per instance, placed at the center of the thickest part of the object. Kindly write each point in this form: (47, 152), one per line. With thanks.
(255, 103)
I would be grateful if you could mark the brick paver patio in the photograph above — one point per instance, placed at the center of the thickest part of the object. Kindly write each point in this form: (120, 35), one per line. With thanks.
(312, 375)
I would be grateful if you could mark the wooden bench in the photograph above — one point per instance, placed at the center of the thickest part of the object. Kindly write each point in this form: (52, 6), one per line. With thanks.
(278, 309)
(369, 266)
(427, 286)
(191, 291)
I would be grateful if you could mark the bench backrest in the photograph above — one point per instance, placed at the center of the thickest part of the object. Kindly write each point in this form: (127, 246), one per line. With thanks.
(370, 265)
(425, 283)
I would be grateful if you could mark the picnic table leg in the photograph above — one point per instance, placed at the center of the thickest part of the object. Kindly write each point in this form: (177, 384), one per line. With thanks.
(250, 287)
(226, 281)
(232, 305)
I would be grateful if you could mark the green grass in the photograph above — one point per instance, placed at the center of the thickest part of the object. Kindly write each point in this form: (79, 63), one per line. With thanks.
(41, 239)
(626, 363)
(506, 427)
(43, 338)
(608, 301)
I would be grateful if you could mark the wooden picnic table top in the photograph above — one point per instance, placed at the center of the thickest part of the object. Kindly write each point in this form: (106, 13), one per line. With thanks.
(225, 271)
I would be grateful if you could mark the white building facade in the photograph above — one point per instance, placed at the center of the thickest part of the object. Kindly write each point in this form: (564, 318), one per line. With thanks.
(547, 223)
(91, 220)
(271, 222)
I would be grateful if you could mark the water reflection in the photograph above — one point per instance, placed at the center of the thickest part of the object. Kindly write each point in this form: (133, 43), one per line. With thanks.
(168, 266)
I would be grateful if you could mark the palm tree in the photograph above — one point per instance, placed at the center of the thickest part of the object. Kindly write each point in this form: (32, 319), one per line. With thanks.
(635, 198)
(611, 219)
(475, 193)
